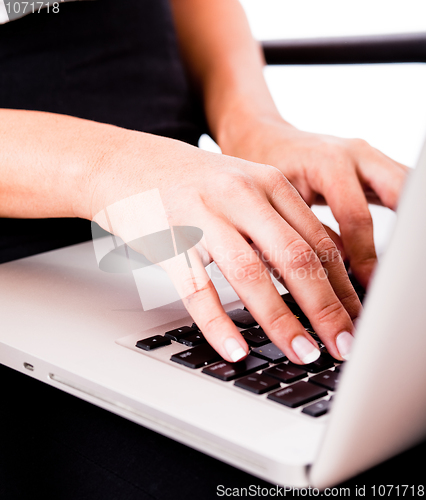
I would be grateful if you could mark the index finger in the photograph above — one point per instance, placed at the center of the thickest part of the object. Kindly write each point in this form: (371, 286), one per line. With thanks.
(203, 304)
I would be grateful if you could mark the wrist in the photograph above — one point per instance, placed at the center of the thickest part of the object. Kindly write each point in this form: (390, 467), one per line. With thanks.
(240, 132)
(99, 181)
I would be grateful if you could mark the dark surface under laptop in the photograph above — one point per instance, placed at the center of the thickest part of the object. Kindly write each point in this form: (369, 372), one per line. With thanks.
(56, 446)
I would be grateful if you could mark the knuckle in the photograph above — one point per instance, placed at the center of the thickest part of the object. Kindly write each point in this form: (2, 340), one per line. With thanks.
(278, 319)
(330, 313)
(359, 218)
(300, 255)
(248, 272)
(214, 324)
(367, 259)
(194, 289)
(335, 152)
(275, 176)
(359, 143)
(326, 250)
(350, 301)
(278, 184)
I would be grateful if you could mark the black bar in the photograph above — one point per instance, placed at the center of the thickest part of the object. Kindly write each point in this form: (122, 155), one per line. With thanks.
(371, 49)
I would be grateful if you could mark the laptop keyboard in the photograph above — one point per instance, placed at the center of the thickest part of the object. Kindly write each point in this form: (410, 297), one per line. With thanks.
(266, 370)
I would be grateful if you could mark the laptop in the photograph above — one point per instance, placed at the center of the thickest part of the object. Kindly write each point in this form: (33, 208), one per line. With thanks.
(69, 324)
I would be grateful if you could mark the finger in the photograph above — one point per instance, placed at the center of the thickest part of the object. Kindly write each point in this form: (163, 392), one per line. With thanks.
(249, 277)
(337, 240)
(350, 208)
(202, 302)
(303, 275)
(383, 175)
(288, 204)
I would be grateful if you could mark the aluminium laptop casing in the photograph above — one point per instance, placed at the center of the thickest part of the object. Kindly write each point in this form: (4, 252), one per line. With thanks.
(70, 325)
(381, 404)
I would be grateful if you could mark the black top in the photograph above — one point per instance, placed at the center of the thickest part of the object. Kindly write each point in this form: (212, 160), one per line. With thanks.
(105, 60)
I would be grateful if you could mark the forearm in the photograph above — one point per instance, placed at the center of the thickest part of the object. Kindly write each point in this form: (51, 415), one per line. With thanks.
(47, 161)
(226, 64)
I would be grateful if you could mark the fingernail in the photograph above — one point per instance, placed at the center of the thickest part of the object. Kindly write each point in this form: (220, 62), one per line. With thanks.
(344, 344)
(305, 350)
(234, 349)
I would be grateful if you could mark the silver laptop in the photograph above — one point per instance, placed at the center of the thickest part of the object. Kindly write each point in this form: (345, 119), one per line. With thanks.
(69, 324)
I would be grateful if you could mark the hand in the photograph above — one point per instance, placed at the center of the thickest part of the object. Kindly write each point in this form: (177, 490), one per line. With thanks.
(237, 205)
(343, 172)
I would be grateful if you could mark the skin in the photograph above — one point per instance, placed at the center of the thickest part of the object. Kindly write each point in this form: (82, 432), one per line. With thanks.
(226, 66)
(254, 197)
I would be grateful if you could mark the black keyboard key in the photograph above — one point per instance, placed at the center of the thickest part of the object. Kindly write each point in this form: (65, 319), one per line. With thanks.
(304, 320)
(359, 289)
(292, 305)
(255, 337)
(193, 340)
(201, 355)
(257, 383)
(297, 394)
(229, 371)
(180, 333)
(295, 309)
(152, 342)
(317, 409)
(324, 362)
(328, 379)
(285, 373)
(340, 367)
(242, 318)
(270, 352)
(290, 302)
(287, 297)
(313, 334)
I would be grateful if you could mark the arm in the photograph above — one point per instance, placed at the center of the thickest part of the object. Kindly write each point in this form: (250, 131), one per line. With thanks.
(226, 65)
(55, 166)
(44, 161)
